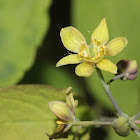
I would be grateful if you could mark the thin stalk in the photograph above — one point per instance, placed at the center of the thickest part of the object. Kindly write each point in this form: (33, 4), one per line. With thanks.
(136, 130)
(90, 123)
(137, 133)
(117, 77)
(76, 132)
(136, 116)
(86, 123)
(106, 88)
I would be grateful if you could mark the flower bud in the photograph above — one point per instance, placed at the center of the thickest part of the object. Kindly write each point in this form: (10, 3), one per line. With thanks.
(62, 111)
(129, 67)
(121, 126)
(65, 112)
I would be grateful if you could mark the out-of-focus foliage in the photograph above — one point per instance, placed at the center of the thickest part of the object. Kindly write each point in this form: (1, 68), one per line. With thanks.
(23, 25)
(59, 78)
(25, 113)
(123, 19)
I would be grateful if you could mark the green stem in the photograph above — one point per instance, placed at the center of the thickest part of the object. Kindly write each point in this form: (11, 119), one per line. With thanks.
(106, 88)
(136, 116)
(117, 77)
(76, 132)
(86, 123)
(89, 123)
(136, 130)
(137, 133)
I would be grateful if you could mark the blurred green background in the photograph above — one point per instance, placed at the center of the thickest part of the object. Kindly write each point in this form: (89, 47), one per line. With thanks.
(30, 46)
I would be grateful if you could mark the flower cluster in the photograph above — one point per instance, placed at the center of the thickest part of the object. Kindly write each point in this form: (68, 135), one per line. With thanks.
(91, 55)
(65, 112)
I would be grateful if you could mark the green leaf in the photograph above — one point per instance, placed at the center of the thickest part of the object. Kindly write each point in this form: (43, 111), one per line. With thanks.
(22, 27)
(25, 113)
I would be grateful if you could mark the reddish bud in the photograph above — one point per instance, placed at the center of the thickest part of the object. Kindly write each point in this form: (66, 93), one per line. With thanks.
(129, 67)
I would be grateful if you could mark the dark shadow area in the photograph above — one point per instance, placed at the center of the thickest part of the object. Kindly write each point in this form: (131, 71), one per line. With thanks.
(59, 18)
(98, 134)
(52, 48)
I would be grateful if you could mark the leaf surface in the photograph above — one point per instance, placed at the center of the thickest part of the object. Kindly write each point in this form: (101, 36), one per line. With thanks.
(25, 114)
(22, 27)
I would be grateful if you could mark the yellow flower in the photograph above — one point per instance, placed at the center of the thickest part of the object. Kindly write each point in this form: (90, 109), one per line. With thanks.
(88, 55)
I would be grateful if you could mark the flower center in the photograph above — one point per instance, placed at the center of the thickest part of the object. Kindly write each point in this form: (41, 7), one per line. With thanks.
(92, 53)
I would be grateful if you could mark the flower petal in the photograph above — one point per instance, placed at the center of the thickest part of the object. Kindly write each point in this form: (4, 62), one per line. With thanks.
(72, 38)
(100, 33)
(61, 110)
(116, 45)
(69, 59)
(107, 65)
(84, 69)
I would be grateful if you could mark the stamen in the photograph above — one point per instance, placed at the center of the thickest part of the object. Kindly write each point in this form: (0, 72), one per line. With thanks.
(99, 55)
(92, 53)
(96, 56)
(104, 47)
(85, 55)
(98, 42)
(59, 122)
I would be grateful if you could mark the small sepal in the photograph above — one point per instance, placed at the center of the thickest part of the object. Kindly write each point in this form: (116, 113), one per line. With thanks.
(58, 133)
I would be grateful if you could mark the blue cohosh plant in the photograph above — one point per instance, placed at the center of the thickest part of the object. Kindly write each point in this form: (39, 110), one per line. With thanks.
(92, 57)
